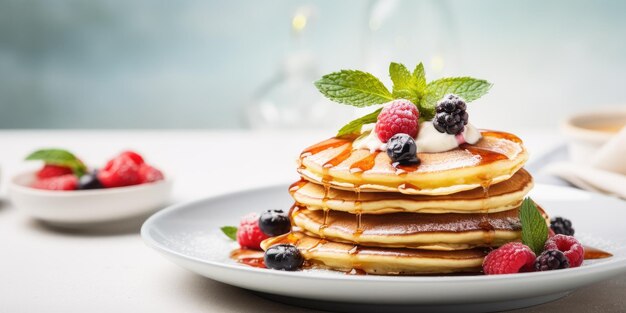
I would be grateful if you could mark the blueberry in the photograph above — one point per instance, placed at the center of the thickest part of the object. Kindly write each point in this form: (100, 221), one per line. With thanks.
(274, 222)
(89, 181)
(401, 149)
(283, 257)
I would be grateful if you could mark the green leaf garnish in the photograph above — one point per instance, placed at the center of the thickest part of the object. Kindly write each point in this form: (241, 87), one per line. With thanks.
(355, 125)
(467, 88)
(230, 232)
(362, 89)
(534, 226)
(356, 88)
(59, 157)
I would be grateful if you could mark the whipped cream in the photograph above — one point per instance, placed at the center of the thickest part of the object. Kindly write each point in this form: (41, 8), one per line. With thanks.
(429, 139)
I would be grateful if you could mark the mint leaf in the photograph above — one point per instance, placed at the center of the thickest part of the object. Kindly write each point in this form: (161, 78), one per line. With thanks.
(230, 232)
(356, 88)
(534, 227)
(404, 84)
(400, 76)
(467, 88)
(59, 157)
(355, 126)
(420, 77)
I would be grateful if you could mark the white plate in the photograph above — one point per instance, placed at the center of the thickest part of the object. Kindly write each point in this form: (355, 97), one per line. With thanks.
(86, 207)
(188, 234)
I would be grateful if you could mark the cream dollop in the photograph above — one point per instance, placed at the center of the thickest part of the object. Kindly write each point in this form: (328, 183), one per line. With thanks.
(369, 140)
(428, 139)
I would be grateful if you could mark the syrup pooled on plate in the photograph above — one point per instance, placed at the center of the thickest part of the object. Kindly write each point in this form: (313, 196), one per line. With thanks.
(592, 253)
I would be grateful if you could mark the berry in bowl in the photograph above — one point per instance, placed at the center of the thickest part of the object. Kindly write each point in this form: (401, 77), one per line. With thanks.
(66, 192)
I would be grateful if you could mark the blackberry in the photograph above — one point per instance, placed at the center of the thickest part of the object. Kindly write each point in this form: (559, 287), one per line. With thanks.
(561, 226)
(551, 260)
(283, 257)
(451, 116)
(274, 222)
(402, 150)
(89, 181)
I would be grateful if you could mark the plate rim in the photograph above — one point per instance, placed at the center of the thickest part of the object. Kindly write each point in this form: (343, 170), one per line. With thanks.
(609, 265)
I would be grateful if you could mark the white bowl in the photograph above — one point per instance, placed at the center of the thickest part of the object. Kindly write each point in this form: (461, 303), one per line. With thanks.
(77, 207)
(583, 134)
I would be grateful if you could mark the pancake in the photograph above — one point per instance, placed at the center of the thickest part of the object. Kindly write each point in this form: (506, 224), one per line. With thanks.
(493, 159)
(502, 196)
(380, 261)
(450, 231)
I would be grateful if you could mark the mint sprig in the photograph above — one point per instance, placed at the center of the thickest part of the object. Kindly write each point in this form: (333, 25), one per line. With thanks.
(534, 226)
(356, 88)
(363, 89)
(59, 157)
(230, 232)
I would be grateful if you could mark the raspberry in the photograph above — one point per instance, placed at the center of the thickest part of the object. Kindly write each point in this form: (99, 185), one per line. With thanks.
(513, 257)
(249, 235)
(119, 172)
(64, 182)
(50, 170)
(551, 260)
(149, 174)
(134, 156)
(571, 247)
(398, 116)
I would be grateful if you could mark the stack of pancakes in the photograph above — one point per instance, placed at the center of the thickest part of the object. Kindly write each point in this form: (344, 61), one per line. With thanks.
(355, 211)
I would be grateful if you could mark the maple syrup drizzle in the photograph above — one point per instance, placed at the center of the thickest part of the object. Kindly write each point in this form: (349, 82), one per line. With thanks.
(592, 253)
(359, 212)
(342, 156)
(407, 168)
(325, 207)
(316, 246)
(486, 156)
(293, 211)
(297, 185)
(326, 144)
(364, 164)
(254, 258)
(500, 135)
(485, 223)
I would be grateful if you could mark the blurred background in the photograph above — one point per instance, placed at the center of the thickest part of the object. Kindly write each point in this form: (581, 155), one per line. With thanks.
(153, 64)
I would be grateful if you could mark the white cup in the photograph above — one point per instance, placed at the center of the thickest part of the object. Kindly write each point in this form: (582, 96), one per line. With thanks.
(586, 132)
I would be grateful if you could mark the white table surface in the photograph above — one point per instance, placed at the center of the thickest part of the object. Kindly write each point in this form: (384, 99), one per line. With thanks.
(43, 269)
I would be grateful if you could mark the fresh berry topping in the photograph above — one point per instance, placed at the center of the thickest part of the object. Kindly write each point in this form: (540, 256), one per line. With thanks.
(451, 116)
(398, 116)
(50, 170)
(149, 174)
(65, 182)
(562, 226)
(513, 257)
(134, 156)
(551, 260)
(119, 172)
(274, 222)
(550, 233)
(402, 150)
(89, 181)
(571, 247)
(249, 235)
(283, 257)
